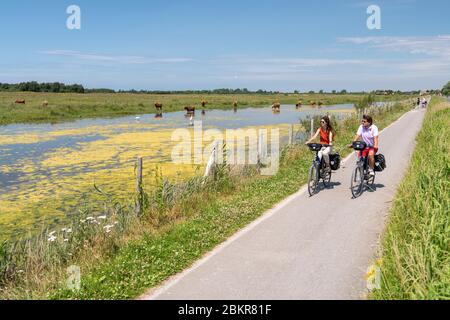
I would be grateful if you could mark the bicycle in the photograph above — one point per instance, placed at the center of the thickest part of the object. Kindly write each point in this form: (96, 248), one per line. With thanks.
(318, 170)
(360, 176)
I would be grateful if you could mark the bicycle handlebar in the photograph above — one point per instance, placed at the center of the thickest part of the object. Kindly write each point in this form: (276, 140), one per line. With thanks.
(323, 145)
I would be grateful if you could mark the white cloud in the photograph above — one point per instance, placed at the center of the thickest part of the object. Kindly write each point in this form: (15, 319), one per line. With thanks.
(427, 56)
(115, 59)
(293, 62)
(436, 45)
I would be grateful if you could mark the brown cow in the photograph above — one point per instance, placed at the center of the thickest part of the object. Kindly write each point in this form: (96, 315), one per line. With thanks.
(320, 103)
(298, 105)
(235, 104)
(20, 102)
(276, 106)
(45, 103)
(190, 109)
(204, 103)
(158, 106)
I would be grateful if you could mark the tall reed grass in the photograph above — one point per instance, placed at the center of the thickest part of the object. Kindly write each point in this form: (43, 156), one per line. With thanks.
(416, 245)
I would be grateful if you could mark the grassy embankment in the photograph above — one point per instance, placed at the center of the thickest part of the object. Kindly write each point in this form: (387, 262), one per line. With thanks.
(67, 107)
(121, 256)
(416, 244)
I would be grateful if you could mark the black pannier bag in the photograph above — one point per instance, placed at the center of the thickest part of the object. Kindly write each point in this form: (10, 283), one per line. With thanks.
(380, 162)
(335, 161)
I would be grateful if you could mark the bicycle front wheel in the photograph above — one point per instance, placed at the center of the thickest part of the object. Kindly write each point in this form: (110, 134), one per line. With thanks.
(357, 183)
(313, 182)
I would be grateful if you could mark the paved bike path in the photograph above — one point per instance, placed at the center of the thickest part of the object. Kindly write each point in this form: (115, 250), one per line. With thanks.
(305, 248)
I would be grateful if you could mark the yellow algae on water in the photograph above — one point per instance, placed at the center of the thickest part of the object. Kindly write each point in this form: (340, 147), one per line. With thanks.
(62, 180)
(124, 145)
(32, 138)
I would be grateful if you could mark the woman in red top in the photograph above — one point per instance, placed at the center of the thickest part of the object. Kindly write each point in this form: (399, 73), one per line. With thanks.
(326, 137)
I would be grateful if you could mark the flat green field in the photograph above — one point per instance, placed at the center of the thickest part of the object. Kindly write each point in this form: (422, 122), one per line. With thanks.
(68, 106)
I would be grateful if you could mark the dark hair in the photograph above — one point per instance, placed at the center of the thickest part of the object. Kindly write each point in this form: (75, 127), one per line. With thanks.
(368, 119)
(328, 122)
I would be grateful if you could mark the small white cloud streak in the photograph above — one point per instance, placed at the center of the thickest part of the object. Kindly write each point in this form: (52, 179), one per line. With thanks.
(115, 59)
(294, 62)
(437, 45)
(435, 52)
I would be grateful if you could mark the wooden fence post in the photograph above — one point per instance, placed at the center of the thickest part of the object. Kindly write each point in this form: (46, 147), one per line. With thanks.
(262, 148)
(291, 134)
(212, 160)
(139, 190)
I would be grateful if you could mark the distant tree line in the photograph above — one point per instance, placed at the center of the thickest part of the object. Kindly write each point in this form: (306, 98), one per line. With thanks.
(34, 86)
(58, 87)
(215, 91)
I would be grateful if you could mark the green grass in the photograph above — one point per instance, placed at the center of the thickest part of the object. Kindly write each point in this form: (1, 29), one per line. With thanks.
(416, 245)
(68, 107)
(172, 235)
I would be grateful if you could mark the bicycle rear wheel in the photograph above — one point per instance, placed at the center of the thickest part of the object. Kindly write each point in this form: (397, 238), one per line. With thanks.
(313, 182)
(357, 182)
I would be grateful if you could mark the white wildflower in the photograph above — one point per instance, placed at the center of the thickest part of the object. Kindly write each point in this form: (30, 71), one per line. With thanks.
(108, 228)
(52, 238)
(51, 234)
(102, 217)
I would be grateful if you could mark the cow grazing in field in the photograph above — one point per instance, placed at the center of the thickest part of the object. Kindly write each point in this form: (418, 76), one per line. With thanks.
(204, 103)
(320, 103)
(158, 106)
(313, 103)
(298, 105)
(45, 104)
(20, 102)
(235, 104)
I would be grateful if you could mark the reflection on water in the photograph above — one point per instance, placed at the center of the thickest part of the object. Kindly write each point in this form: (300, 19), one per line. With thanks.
(45, 169)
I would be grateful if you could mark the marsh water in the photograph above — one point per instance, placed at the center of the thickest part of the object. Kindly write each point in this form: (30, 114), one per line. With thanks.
(46, 170)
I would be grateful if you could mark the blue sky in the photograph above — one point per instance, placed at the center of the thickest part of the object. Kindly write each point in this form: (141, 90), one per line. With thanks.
(281, 45)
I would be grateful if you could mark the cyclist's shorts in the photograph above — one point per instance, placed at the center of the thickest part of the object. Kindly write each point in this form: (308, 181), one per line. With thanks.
(366, 152)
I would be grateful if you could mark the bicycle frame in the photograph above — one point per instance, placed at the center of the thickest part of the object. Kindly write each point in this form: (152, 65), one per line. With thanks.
(317, 173)
(363, 161)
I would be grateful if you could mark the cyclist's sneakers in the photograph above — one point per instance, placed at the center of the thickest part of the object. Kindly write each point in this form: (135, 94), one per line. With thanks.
(371, 173)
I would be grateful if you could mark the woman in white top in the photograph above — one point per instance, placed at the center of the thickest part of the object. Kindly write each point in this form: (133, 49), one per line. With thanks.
(368, 132)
